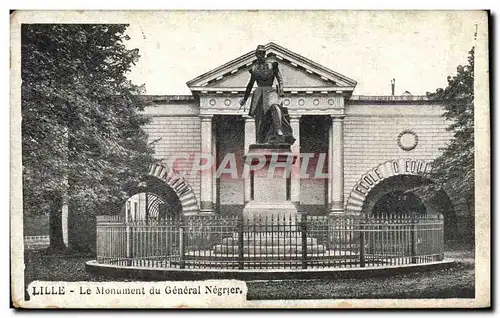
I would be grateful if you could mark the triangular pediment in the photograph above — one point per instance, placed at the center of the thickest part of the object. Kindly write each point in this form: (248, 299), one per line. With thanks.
(299, 74)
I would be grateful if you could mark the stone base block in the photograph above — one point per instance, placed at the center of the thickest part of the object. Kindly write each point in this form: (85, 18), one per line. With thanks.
(284, 212)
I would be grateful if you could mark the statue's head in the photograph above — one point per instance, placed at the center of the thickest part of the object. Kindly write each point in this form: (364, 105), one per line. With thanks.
(260, 53)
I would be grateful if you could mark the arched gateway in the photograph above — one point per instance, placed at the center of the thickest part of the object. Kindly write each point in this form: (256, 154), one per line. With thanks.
(178, 184)
(389, 188)
(386, 170)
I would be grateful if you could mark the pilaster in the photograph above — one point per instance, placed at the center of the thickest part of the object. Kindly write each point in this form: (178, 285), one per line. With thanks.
(337, 164)
(207, 175)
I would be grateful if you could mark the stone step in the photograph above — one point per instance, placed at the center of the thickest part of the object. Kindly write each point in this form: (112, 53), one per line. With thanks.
(271, 249)
(327, 255)
(267, 240)
(271, 264)
(291, 233)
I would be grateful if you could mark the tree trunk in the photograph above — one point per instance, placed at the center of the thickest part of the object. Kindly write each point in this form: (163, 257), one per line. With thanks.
(470, 218)
(55, 224)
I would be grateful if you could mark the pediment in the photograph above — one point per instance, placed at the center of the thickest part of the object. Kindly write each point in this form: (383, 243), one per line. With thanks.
(298, 72)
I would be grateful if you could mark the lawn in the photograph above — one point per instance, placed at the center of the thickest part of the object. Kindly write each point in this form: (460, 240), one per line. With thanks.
(457, 282)
(451, 283)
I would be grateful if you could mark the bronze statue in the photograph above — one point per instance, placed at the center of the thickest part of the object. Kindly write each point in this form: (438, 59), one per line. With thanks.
(272, 125)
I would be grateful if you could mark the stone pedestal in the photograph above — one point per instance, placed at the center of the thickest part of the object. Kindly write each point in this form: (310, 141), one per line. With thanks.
(269, 169)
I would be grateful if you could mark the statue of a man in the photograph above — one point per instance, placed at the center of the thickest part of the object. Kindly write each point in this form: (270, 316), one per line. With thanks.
(271, 123)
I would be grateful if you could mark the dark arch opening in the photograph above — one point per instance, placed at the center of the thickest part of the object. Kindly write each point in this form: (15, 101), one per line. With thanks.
(397, 185)
(398, 203)
(396, 195)
(152, 199)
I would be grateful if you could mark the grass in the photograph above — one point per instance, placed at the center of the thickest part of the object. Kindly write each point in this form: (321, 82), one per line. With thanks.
(457, 282)
(451, 283)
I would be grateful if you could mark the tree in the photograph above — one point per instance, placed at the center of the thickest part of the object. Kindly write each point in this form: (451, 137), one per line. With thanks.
(454, 169)
(82, 134)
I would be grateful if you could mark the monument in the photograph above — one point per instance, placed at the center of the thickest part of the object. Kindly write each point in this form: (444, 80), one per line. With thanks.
(272, 153)
(270, 236)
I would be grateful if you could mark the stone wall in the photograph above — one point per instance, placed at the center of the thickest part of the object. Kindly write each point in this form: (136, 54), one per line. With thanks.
(176, 127)
(371, 136)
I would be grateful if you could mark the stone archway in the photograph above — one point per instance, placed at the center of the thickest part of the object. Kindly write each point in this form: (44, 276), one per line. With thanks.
(397, 177)
(401, 185)
(178, 184)
(388, 169)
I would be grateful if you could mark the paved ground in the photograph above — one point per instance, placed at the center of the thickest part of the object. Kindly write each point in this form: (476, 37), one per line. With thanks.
(456, 282)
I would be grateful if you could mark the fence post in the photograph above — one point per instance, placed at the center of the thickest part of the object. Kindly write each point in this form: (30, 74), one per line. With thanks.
(128, 239)
(182, 260)
(440, 218)
(303, 227)
(361, 243)
(413, 240)
(240, 242)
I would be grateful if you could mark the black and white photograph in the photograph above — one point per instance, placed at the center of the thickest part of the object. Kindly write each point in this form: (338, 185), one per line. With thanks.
(250, 159)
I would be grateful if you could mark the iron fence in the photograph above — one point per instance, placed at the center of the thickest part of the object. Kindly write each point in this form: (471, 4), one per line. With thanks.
(273, 242)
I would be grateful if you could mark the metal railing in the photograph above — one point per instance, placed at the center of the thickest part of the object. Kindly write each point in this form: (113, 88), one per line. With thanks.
(275, 242)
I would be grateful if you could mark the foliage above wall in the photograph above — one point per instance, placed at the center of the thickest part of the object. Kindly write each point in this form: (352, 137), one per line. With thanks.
(454, 169)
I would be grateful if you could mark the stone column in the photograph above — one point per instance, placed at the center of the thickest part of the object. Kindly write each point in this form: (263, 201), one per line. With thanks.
(295, 176)
(214, 177)
(206, 186)
(249, 139)
(337, 164)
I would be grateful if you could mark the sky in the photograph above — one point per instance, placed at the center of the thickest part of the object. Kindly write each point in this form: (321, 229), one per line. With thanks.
(418, 49)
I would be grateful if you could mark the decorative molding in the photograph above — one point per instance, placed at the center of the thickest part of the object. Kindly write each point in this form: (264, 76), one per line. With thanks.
(413, 144)
(284, 54)
(206, 117)
(390, 98)
(337, 117)
(318, 89)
